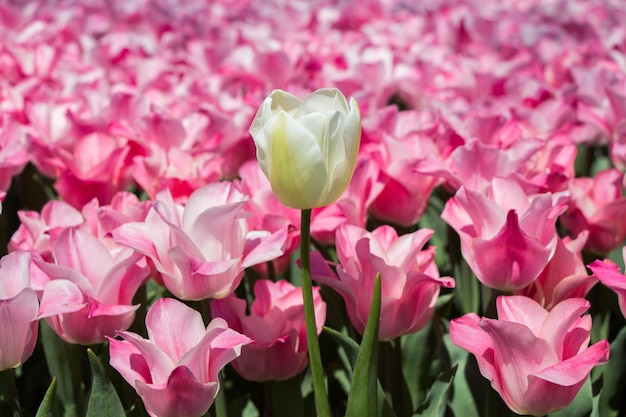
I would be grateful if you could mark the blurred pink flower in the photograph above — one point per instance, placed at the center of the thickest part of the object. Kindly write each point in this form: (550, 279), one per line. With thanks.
(174, 372)
(508, 238)
(201, 249)
(410, 279)
(18, 310)
(609, 275)
(86, 294)
(276, 327)
(537, 360)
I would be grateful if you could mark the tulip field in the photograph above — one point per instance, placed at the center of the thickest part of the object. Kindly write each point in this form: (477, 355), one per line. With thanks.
(285, 208)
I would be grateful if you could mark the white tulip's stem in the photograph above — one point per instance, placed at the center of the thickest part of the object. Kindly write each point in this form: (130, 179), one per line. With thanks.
(315, 358)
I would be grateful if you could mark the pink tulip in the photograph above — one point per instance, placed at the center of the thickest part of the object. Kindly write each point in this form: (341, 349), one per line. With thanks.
(34, 230)
(18, 311)
(276, 327)
(509, 238)
(175, 371)
(268, 213)
(201, 249)
(565, 276)
(87, 293)
(410, 279)
(598, 206)
(609, 275)
(537, 360)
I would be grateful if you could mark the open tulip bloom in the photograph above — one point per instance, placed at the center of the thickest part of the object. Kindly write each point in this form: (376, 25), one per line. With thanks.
(176, 174)
(536, 359)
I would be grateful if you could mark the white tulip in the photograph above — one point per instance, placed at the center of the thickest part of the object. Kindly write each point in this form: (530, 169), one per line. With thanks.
(307, 149)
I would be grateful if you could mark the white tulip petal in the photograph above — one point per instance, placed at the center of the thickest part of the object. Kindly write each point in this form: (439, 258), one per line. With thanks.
(296, 165)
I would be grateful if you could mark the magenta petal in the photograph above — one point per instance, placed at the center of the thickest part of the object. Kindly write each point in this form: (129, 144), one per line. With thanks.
(510, 260)
(183, 396)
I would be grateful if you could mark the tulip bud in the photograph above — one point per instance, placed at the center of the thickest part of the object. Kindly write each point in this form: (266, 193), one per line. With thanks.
(307, 149)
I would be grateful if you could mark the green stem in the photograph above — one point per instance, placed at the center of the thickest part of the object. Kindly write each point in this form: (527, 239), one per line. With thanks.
(8, 391)
(220, 400)
(315, 358)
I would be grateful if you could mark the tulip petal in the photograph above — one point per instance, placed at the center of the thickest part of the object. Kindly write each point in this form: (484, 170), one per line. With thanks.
(61, 296)
(295, 160)
(164, 322)
(18, 328)
(510, 260)
(182, 396)
(523, 310)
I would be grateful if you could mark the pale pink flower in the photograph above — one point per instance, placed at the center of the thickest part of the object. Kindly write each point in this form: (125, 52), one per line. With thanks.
(38, 231)
(276, 327)
(509, 237)
(410, 280)
(18, 310)
(565, 276)
(536, 359)
(202, 248)
(87, 293)
(176, 373)
(609, 275)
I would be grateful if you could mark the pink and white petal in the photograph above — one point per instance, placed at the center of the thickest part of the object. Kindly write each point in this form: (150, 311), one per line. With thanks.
(159, 363)
(216, 349)
(84, 253)
(561, 319)
(182, 396)
(164, 322)
(522, 310)
(263, 247)
(59, 297)
(465, 333)
(128, 361)
(18, 321)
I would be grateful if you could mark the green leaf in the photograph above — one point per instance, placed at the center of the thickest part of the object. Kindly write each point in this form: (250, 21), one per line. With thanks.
(614, 379)
(64, 363)
(436, 401)
(418, 352)
(350, 346)
(363, 401)
(48, 406)
(462, 401)
(103, 400)
(581, 406)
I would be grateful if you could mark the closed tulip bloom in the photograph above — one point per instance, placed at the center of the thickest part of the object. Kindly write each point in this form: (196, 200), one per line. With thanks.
(537, 360)
(18, 311)
(307, 148)
(175, 371)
